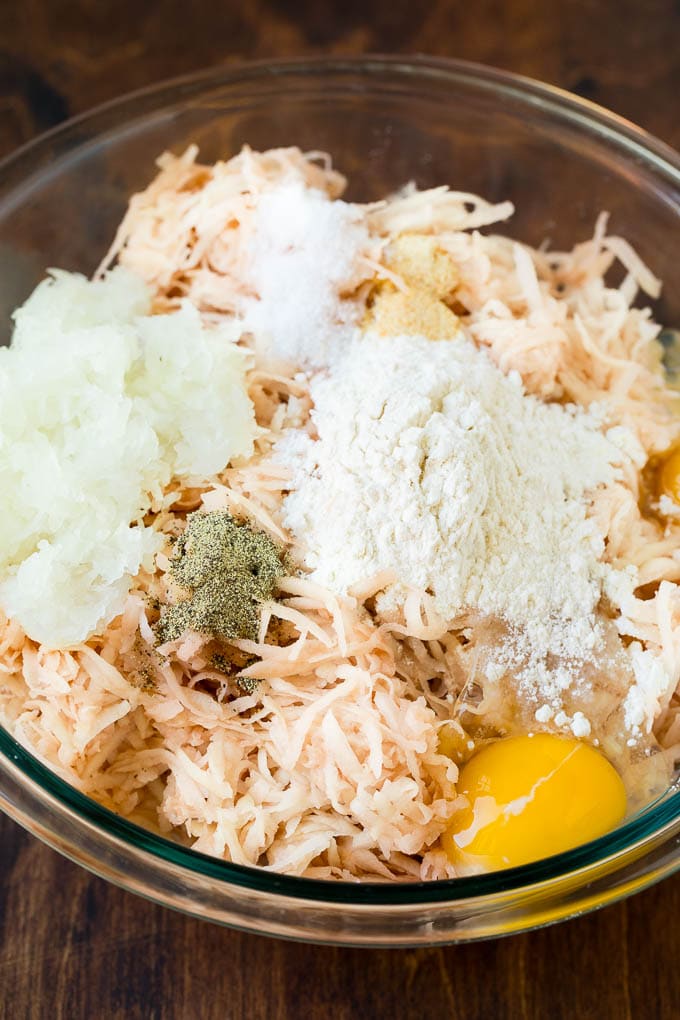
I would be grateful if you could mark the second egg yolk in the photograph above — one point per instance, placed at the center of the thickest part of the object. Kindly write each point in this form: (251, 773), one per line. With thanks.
(530, 797)
(669, 477)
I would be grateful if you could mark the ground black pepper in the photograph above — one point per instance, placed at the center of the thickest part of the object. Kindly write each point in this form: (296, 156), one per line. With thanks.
(227, 569)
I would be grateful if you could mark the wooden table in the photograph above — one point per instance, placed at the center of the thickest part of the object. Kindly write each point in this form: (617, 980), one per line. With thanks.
(74, 947)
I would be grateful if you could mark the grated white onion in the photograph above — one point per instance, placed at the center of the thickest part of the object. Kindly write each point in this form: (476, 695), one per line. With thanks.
(101, 405)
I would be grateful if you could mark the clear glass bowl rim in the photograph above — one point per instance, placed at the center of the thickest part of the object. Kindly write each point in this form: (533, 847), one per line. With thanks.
(658, 822)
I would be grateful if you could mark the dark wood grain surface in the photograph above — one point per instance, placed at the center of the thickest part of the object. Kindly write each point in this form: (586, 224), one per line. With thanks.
(72, 946)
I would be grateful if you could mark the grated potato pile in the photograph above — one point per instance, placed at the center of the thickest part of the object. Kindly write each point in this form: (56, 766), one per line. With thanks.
(343, 760)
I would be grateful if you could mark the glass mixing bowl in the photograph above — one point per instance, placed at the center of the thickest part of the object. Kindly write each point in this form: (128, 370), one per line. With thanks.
(386, 121)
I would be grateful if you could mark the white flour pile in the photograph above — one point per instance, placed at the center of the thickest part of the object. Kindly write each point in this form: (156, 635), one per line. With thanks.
(302, 257)
(433, 464)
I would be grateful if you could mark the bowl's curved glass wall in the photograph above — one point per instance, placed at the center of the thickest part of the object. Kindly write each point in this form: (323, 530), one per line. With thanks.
(386, 121)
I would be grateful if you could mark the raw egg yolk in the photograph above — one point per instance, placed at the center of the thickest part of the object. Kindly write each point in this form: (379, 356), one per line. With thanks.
(531, 797)
(669, 477)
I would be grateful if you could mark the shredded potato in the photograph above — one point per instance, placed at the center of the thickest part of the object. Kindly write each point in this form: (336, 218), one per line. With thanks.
(333, 766)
